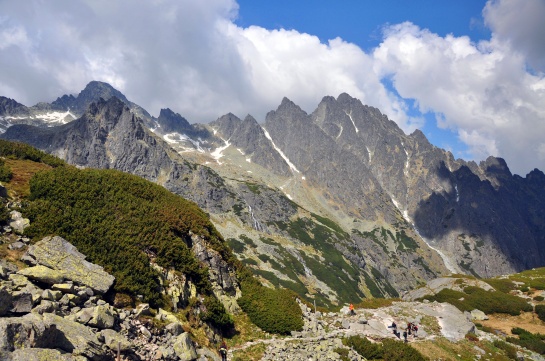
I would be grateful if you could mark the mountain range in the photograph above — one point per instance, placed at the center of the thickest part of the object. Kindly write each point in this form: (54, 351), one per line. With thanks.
(337, 205)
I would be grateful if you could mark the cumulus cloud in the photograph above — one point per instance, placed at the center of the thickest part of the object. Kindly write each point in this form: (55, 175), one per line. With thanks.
(192, 57)
(519, 22)
(482, 91)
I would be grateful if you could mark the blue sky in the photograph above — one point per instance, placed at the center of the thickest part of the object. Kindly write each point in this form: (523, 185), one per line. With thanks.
(469, 73)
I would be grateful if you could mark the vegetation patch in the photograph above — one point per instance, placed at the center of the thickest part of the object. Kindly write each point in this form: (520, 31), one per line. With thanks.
(540, 311)
(120, 221)
(273, 310)
(389, 349)
(531, 341)
(486, 301)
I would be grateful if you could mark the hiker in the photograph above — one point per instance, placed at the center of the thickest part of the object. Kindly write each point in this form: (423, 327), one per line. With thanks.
(223, 351)
(409, 328)
(393, 326)
(415, 330)
(405, 336)
(351, 308)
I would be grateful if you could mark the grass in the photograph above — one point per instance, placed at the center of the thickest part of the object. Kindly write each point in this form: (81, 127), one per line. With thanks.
(252, 353)
(464, 350)
(19, 187)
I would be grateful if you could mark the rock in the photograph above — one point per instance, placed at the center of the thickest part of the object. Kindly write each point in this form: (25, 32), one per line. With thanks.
(18, 223)
(58, 254)
(21, 302)
(84, 315)
(184, 348)
(42, 274)
(5, 301)
(19, 281)
(64, 287)
(345, 324)
(478, 315)
(166, 316)
(16, 245)
(142, 309)
(112, 339)
(46, 306)
(51, 295)
(73, 337)
(103, 317)
(42, 354)
(3, 272)
(174, 328)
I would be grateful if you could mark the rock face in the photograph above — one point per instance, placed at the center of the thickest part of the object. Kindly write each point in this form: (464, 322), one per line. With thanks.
(59, 255)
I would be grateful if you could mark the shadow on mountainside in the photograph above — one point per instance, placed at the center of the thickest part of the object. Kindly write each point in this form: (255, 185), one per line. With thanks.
(510, 213)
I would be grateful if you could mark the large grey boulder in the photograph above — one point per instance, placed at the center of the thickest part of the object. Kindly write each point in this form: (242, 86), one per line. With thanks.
(5, 301)
(184, 348)
(18, 223)
(42, 274)
(103, 317)
(114, 339)
(58, 254)
(42, 354)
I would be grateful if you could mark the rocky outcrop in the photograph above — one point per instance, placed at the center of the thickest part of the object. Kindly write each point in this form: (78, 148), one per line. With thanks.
(65, 262)
(71, 321)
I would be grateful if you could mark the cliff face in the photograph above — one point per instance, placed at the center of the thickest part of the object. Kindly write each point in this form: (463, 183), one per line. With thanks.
(333, 201)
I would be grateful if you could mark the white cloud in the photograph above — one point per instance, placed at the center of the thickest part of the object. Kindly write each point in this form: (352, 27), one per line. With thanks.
(519, 22)
(482, 91)
(190, 56)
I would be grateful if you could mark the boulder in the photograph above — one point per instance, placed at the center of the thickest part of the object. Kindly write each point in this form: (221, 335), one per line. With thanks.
(58, 254)
(174, 328)
(18, 223)
(42, 274)
(64, 287)
(21, 302)
(103, 317)
(18, 281)
(478, 315)
(112, 339)
(5, 301)
(73, 337)
(184, 348)
(42, 354)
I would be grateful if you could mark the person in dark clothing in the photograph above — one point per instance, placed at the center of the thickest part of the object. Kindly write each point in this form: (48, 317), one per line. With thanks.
(223, 351)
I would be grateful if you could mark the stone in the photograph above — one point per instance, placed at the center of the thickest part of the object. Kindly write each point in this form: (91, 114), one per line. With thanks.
(58, 254)
(5, 301)
(345, 324)
(18, 223)
(103, 317)
(46, 306)
(64, 287)
(42, 274)
(21, 302)
(84, 315)
(166, 316)
(19, 281)
(184, 348)
(112, 339)
(478, 315)
(174, 328)
(16, 245)
(142, 309)
(41, 354)
(50, 295)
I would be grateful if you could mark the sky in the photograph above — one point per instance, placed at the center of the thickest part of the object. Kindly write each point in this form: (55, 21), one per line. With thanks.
(469, 73)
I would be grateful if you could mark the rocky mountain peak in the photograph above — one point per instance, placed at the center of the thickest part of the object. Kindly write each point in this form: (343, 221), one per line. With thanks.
(172, 122)
(9, 106)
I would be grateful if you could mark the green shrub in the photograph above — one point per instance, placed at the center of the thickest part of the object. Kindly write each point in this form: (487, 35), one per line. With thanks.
(486, 301)
(119, 221)
(390, 350)
(216, 315)
(525, 289)
(5, 172)
(273, 310)
(509, 350)
(366, 348)
(540, 310)
(528, 340)
(539, 298)
(24, 151)
(399, 351)
(343, 353)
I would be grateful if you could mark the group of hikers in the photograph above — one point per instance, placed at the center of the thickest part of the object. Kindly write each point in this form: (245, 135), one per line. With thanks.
(412, 329)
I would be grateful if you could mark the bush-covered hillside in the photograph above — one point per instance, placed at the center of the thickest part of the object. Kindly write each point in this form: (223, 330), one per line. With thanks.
(115, 219)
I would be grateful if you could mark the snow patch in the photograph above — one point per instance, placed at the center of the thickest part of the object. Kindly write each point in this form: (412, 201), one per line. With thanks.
(56, 117)
(290, 164)
(177, 138)
(406, 170)
(341, 132)
(457, 193)
(249, 160)
(370, 154)
(217, 153)
(352, 120)
(240, 151)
